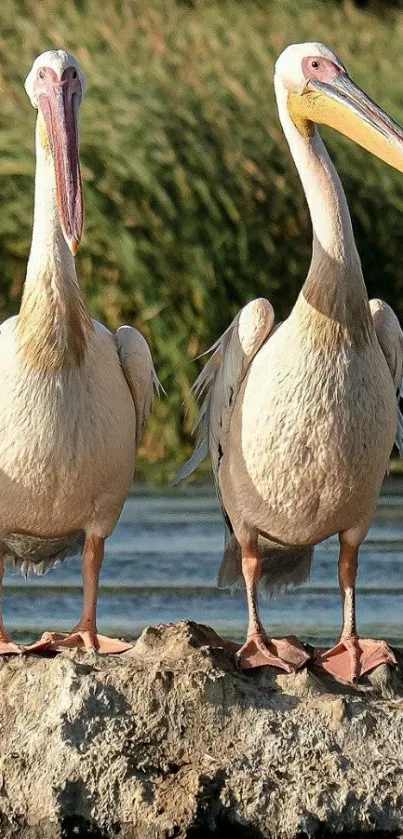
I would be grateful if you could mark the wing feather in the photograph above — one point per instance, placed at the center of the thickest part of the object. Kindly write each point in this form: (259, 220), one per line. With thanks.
(390, 337)
(221, 378)
(138, 368)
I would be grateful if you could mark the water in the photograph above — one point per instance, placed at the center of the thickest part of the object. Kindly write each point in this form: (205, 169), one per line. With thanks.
(161, 565)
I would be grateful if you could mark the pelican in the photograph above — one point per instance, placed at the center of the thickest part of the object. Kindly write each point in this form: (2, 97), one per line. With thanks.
(74, 398)
(300, 418)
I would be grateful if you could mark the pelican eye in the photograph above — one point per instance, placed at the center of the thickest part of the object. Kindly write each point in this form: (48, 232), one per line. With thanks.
(41, 74)
(315, 64)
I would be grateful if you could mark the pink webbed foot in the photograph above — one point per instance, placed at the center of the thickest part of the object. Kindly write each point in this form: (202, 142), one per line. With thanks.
(82, 639)
(9, 647)
(352, 657)
(41, 646)
(260, 651)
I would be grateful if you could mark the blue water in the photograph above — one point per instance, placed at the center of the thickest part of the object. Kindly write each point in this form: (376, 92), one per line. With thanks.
(161, 565)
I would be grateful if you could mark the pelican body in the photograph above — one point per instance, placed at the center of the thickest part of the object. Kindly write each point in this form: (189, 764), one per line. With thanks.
(74, 398)
(300, 418)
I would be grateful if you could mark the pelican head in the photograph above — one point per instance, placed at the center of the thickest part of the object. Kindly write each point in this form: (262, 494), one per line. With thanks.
(320, 91)
(55, 86)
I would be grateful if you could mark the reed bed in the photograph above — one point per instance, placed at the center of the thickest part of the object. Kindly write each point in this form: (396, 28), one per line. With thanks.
(193, 205)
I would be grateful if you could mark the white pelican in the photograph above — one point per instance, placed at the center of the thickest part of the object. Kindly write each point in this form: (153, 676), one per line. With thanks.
(300, 419)
(74, 398)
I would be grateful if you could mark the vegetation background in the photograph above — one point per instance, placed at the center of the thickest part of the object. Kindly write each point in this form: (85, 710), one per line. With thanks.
(193, 205)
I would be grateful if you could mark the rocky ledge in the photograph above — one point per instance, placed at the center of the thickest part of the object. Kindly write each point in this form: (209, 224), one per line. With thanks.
(171, 740)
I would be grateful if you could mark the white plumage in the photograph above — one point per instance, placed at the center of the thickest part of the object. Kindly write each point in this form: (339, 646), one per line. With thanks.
(300, 419)
(74, 398)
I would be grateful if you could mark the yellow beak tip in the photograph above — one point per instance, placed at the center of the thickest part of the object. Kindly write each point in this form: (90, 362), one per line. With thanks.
(73, 245)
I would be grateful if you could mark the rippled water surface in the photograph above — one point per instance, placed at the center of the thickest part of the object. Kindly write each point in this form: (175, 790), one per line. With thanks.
(161, 565)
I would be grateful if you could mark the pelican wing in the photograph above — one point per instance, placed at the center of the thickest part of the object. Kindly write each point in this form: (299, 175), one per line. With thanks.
(137, 365)
(221, 378)
(220, 382)
(390, 337)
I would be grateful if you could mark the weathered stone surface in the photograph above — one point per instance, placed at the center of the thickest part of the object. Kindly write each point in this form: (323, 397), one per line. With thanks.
(170, 740)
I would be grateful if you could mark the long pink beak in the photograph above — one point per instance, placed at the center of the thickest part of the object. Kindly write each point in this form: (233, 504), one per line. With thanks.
(58, 102)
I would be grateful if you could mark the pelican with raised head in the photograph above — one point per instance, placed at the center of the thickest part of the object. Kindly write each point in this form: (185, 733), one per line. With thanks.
(74, 398)
(300, 419)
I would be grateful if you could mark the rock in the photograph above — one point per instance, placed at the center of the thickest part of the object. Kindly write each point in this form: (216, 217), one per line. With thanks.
(171, 740)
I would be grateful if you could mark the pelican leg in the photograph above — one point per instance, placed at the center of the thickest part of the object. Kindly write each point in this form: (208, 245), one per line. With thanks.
(259, 650)
(85, 634)
(352, 656)
(7, 645)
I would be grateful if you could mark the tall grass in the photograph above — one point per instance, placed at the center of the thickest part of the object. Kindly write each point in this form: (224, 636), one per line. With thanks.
(193, 205)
